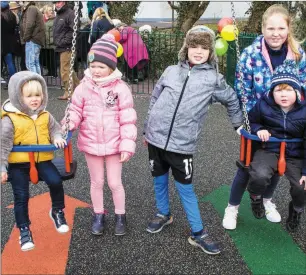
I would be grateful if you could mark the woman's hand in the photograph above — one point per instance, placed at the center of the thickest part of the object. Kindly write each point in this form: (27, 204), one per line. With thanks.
(264, 135)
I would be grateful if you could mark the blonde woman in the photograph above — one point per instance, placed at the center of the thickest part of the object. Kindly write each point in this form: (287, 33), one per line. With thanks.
(47, 54)
(101, 23)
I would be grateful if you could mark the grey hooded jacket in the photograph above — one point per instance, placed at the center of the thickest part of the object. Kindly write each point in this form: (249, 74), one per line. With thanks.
(182, 96)
(15, 103)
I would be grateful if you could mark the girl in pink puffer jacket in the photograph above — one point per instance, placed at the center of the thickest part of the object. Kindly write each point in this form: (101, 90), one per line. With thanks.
(102, 108)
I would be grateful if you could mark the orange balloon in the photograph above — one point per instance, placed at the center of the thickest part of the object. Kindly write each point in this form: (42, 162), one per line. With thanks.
(115, 33)
(223, 22)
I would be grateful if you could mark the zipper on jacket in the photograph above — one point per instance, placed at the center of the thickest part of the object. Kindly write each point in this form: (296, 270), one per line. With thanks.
(178, 103)
(285, 124)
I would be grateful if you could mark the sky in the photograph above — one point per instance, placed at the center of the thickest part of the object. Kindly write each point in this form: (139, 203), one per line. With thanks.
(155, 10)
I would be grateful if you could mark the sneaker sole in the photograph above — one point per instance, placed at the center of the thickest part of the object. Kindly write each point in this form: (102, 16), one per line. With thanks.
(50, 215)
(229, 228)
(97, 234)
(120, 234)
(28, 249)
(202, 248)
(160, 229)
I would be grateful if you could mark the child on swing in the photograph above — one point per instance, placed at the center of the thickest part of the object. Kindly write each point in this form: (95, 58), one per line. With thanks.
(26, 122)
(281, 113)
(178, 107)
(102, 107)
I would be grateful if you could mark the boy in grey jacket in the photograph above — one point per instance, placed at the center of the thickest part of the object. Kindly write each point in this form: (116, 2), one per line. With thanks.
(178, 107)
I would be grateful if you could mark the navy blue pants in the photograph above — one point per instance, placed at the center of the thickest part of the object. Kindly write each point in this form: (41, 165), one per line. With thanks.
(19, 173)
(240, 183)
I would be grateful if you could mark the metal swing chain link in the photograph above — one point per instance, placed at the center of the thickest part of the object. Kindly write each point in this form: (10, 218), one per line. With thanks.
(243, 95)
(73, 50)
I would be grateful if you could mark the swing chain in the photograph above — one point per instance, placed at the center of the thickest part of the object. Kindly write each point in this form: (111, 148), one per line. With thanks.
(243, 95)
(73, 50)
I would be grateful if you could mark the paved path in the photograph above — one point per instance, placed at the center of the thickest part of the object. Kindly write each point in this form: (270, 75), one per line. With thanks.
(167, 252)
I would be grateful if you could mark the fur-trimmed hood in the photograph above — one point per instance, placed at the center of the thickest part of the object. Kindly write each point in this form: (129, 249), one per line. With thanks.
(199, 35)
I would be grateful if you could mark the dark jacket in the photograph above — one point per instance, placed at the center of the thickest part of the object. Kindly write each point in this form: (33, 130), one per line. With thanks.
(63, 29)
(100, 27)
(32, 26)
(9, 42)
(267, 115)
(82, 44)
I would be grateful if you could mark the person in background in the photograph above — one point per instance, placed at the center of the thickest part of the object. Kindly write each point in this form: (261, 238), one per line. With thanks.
(47, 54)
(32, 34)
(101, 23)
(15, 7)
(9, 42)
(62, 38)
(134, 50)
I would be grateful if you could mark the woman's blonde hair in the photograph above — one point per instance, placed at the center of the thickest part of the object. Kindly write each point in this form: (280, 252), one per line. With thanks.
(32, 88)
(45, 8)
(292, 42)
(100, 13)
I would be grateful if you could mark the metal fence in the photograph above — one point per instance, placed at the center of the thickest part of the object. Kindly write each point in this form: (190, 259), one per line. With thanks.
(162, 46)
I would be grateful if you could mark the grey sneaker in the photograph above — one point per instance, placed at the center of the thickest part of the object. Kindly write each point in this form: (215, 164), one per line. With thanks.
(158, 223)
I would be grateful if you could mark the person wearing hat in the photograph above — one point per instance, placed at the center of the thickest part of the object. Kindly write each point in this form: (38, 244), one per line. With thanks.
(102, 105)
(281, 113)
(178, 107)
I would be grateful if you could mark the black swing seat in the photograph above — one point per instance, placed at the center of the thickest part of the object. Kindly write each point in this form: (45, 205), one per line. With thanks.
(60, 166)
(241, 164)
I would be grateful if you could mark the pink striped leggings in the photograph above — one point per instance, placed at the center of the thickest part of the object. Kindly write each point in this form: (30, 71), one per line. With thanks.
(113, 169)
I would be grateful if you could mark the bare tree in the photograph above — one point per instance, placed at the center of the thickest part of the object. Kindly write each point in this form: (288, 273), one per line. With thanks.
(188, 12)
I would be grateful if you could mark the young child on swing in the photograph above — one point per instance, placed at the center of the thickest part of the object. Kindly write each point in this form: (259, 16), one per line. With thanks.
(281, 113)
(102, 107)
(26, 122)
(178, 107)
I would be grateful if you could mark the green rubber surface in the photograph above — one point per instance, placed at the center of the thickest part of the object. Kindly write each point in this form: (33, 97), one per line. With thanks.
(265, 247)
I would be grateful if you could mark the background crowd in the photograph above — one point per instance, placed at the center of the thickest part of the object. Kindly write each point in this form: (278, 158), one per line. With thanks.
(40, 40)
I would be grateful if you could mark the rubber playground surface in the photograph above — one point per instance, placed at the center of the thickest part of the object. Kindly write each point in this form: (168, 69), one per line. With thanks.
(255, 247)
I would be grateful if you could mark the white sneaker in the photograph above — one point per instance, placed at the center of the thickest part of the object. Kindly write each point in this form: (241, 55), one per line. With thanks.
(272, 214)
(27, 246)
(230, 217)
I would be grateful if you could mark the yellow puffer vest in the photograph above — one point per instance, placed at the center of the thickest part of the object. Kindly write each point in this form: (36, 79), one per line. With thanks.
(30, 132)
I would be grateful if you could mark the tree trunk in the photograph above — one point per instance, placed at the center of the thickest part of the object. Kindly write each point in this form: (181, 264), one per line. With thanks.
(194, 14)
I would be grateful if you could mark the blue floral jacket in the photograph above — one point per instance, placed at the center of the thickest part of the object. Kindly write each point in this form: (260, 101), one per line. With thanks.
(257, 72)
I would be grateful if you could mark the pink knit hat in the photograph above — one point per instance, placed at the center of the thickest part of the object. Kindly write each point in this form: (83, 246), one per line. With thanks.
(104, 50)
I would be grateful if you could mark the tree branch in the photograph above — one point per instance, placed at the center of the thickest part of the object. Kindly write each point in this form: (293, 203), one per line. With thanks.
(172, 5)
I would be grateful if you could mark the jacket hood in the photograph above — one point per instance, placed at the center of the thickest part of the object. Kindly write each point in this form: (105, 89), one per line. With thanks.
(15, 91)
(199, 35)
